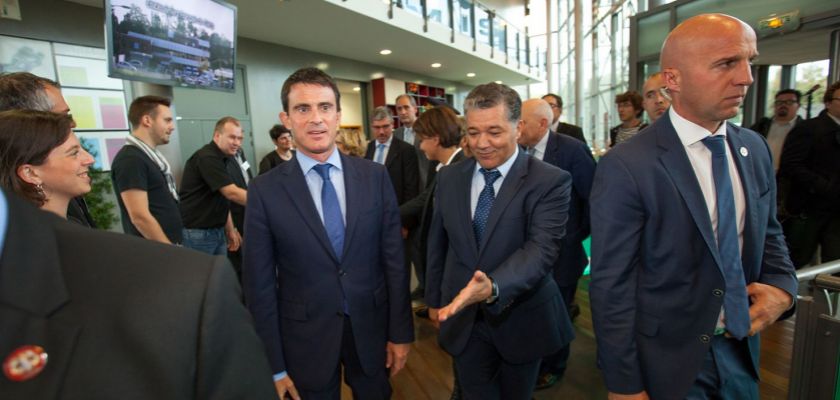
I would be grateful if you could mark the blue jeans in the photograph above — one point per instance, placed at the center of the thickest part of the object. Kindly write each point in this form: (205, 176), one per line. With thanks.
(211, 241)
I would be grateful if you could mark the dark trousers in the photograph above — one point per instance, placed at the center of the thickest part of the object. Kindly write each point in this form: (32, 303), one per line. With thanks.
(726, 372)
(805, 232)
(412, 257)
(484, 375)
(363, 386)
(556, 363)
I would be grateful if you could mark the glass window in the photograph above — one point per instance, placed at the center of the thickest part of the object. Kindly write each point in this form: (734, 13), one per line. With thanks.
(808, 75)
(499, 38)
(413, 5)
(463, 19)
(438, 11)
(482, 30)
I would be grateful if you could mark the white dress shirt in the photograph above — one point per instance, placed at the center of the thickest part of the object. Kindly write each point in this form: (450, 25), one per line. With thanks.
(776, 136)
(408, 135)
(539, 149)
(478, 180)
(449, 161)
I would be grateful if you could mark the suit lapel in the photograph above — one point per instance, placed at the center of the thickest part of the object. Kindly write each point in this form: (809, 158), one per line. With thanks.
(746, 172)
(392, 153)
(676, 163)
(294, 183)
(552, 149)
(464, 204)
(354, 199)
(510, 186)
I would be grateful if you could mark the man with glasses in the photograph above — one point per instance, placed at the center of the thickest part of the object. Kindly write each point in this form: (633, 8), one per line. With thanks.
(556, 103)
(776, 129)
(811, 164)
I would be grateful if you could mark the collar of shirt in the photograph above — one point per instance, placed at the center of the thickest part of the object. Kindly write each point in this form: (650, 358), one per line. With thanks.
(4, 219)
(478, 179)
(315, 183)
(387, 143)
(555, 125)
(689, 132)
(449, 161)
(539, 148)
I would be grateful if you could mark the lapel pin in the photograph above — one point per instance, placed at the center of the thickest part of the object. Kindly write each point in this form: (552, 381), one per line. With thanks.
(744, 151)
(25, 363)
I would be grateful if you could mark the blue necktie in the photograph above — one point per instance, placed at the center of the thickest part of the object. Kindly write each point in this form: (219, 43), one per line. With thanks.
(485, 203)
(333, 221)
(736, 306)
(380, 153)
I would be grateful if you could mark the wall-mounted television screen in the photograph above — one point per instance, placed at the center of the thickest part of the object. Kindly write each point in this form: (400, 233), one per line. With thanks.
(189, 43)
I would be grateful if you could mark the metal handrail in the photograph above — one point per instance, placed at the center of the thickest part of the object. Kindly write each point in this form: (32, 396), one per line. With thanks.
(808, 274)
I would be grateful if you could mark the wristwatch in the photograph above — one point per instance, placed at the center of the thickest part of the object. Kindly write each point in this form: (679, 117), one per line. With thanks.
(494, 295)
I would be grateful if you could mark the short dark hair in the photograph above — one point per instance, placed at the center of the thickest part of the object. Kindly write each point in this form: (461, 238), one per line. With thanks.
(829, 92)
(380, 113)
(309, 76)
(634, 98)
(278, 130)
(492, 94)
(25, 91)
(28, 137)
(557, 98)
(220, 124)
(440, 122)
(145, 105)
(794, 92)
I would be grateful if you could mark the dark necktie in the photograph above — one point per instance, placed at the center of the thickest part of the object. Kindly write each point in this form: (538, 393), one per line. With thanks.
(485, 203)
(736, 307)
(333, 221)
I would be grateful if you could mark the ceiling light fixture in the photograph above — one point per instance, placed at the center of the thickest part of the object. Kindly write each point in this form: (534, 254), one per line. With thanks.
(436, 65)
(498, 82)
(384, 52)
(471, 75)
(356, 89)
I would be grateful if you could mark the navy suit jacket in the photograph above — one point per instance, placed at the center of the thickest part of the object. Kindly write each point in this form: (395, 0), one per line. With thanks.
(528, 320)
(574, 157)
(401, 163)
(294, 282)
(656, 278)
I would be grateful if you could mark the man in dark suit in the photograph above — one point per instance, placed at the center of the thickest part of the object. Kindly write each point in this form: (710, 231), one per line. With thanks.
(811, 166)
(488, 278)
(689, 263)
(323, 271)
(785, 117)
(118, 317)
(407, 112)
(556, 104)
(575, 158)
(396, 155)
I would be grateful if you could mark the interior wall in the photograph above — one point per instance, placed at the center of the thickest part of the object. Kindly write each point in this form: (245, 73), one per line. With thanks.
(267, 65)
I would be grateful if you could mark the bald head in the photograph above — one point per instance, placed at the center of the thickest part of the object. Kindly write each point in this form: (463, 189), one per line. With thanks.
(536, 118)
(706, 67)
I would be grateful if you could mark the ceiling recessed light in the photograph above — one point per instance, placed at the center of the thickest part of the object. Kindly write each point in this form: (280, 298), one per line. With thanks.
(435, 65)
(356, 89)
(499, 82)
(471, 75)
(384, 52)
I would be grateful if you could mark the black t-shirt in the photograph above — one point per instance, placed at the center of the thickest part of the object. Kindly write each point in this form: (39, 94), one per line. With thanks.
(133, 169)
(202, 204)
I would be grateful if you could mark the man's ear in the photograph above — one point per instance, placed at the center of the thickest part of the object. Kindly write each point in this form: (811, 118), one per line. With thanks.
(671, 77)
(284, 118)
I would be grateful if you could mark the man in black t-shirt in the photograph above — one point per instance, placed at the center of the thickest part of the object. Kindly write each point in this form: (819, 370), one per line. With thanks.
(142, 177)
(207, 190)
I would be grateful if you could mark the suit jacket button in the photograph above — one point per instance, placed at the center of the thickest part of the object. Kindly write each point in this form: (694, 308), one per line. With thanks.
(705, 338)
(342, 272)
(717, 292)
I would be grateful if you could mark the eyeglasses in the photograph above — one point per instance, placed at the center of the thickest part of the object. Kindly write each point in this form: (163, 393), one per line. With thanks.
(553, 105)
(785, 102)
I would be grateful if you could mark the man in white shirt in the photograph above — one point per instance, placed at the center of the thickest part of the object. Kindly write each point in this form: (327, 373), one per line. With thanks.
(785, 117)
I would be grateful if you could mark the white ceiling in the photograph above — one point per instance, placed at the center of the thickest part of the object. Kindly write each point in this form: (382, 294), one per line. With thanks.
(321, 27)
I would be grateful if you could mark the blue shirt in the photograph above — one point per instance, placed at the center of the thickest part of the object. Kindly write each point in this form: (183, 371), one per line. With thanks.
(314, 181)
(4, 219)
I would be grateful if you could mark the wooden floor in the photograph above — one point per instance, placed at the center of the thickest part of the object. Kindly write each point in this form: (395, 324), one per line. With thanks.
(428, 374)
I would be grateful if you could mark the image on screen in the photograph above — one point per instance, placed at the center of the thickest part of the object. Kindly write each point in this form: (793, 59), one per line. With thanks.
(189, 43)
